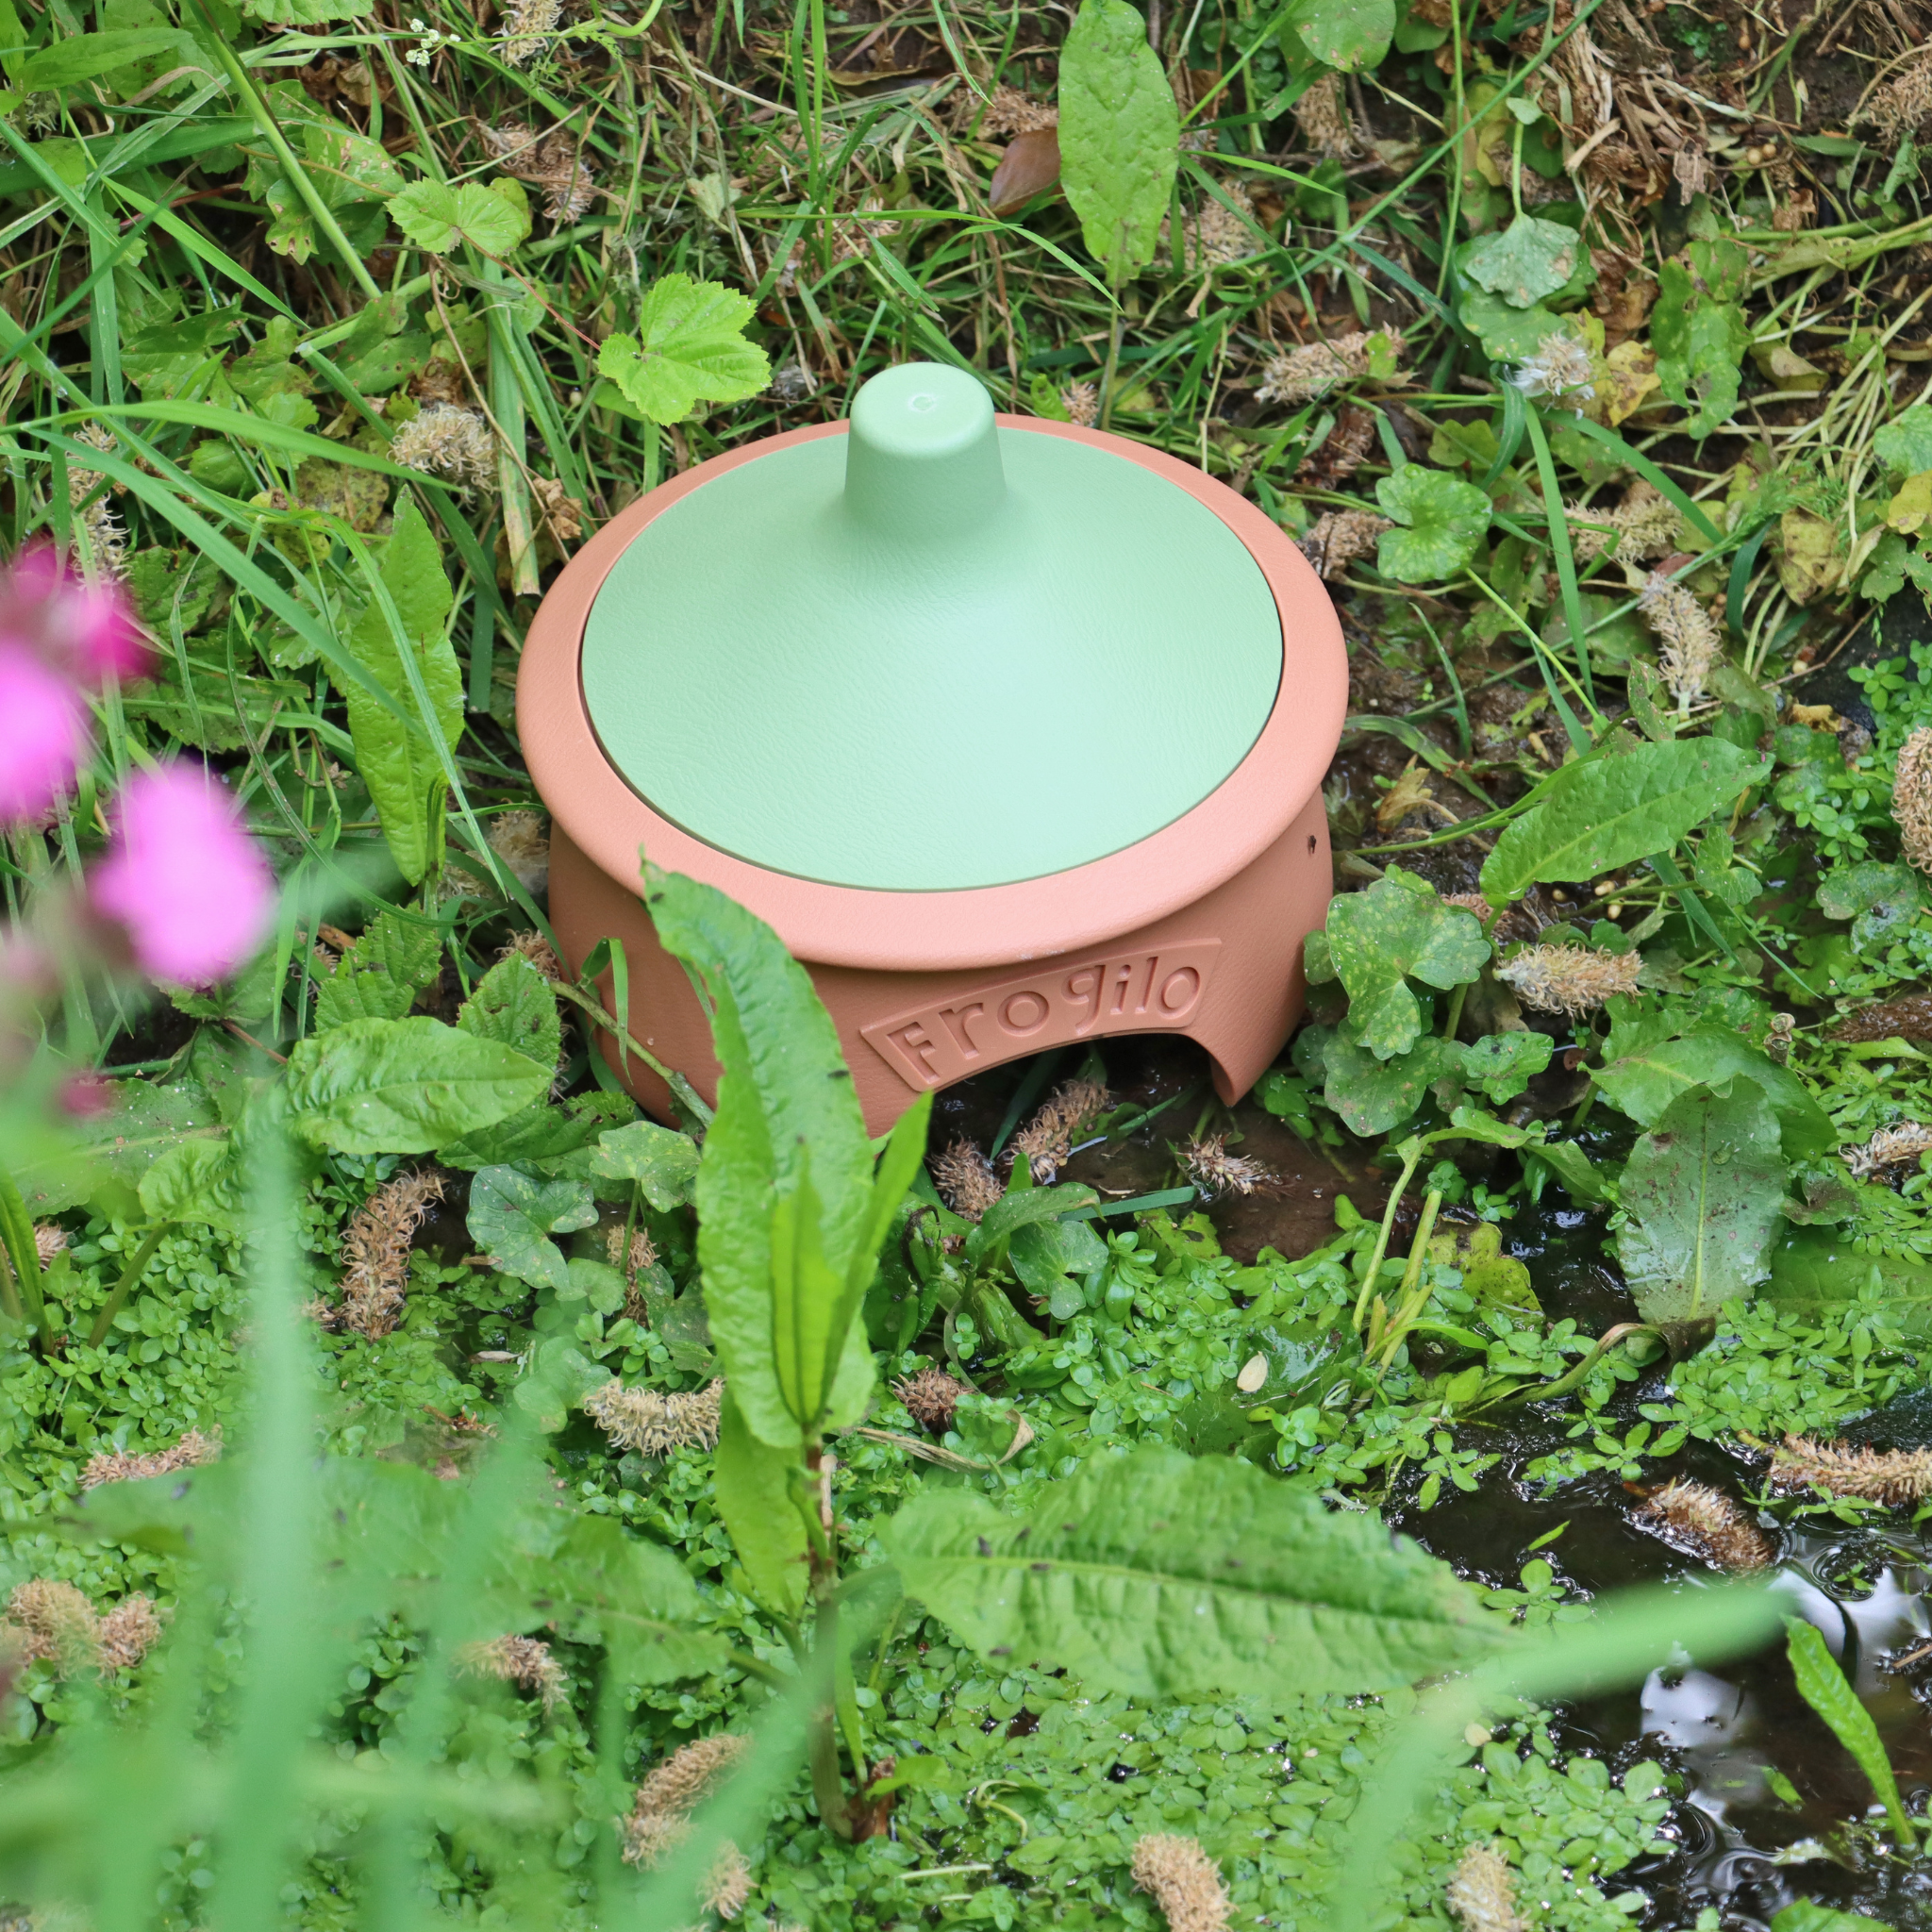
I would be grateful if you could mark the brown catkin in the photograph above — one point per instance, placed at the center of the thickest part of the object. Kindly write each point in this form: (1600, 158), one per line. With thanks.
(1185, 1882)
(1081, 401)
(728, 1883)
(447, 441)
(192, 1451)
(1048, 1138)
(1569, 979)
(522, 840)
(127, 1633)
(534, 947)
(1338, 537)
(1889, 1147)
(1207, 1163)
(931, 1398)
(551, 162)
(1300, 375)
(1903, 104)
(1911, 798)
(1482, 1892)
(376, 1244)
(654, 1425)
(1645, 525)
(1878, 1475)
(1909, 1017)
(1707, 1523)
(525, 1661)
(54, 1621)
(1321, 115)
(1689, 640)
(965, 1179)
(659, 1819)
(527, 26)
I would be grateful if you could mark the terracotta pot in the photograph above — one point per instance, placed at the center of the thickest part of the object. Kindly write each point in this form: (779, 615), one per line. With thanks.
(1193, 926)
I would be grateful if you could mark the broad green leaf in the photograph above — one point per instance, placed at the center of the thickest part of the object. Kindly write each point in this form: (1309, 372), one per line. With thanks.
(511, 1218)
(1572, 1167)
(513, 1003)
(400, 766)
(1523, 262)
(1503, 1064)
(785, 1089)
(1814, 1269)
(689, 348)
(404, 1086)
(542, 1138)
(1021, 1207)
(1823, 1686)
(558, 1377)
(1158, 1576)
(1379, 938)
(381, 975)
(1353, 35)
(1045, 1253)
(1905, 443)
(195, 1181)
(1373, 1095)
(663, 1163)
(1507, 334)
(752, 1482)
(80, 56)
(1700, 339)
(351, 173)
(1600, 813)
(139, 1122)
(1119, 134)
(304, 12)
(1806, 1916)
(1879, 899)
(1647, 1066)
(439, 218)
(1700, 1199)
(1442, 521)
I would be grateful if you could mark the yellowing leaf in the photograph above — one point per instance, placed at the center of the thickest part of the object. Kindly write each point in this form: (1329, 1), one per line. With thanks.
(1628, 381)
(1808, 562)
(1910, 509)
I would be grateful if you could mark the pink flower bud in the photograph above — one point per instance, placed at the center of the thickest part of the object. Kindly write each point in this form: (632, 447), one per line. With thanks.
(105, 637)
(85, 629)
(183, 879)
(43, 731)
(85, 1096)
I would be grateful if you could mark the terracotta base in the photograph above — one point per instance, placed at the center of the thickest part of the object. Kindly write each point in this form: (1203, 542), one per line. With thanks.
(1225, 972)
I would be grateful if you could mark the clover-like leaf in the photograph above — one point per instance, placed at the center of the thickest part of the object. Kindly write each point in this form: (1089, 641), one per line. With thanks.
(1523, 262)
(1443, 519)
(690, 347)
(437, 217)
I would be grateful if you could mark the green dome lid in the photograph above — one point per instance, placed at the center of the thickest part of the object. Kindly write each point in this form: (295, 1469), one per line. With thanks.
(933, 653)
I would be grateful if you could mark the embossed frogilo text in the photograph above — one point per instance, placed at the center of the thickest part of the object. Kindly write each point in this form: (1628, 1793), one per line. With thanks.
(1138, 993)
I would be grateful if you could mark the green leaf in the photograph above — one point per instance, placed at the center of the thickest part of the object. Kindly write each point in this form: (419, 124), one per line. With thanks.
(80, 56)
(400, 766)
(1507, 334)
(1700, 1198)
(195, 1181)
(512, 1216)
(1353, 35)
(558, 1377)
(439, 218)
(1602, 813)
(1119, 135)
(513, 1003)
(1158, 1576)
(1523, 262)
(381, 975)
(1879, 900)
(752, 1482)
(785, 1089)
(404, 1086)
(1045, 1253)
(136, 1126)
(690, 348)
(1823, 1686)
(1503, 1064)
(1905, 443)
(542, 1137)
(1022, 1207)
(1805, 1916)
(663, 1163)
(1378, 939)
(1700, 339)
(1374, 1097)
(1443, 520)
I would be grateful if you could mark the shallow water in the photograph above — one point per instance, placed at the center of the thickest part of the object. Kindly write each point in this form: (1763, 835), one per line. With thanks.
(1735, 1843)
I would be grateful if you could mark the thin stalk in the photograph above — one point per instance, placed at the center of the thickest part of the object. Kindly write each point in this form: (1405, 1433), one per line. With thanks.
(1412, 1151)
(130, 1279)
(1549, 1391)
(1413, 1295)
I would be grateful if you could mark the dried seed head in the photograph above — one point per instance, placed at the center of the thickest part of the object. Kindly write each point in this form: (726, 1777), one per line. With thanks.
(1321, 115)
(1705, 1522)
(1909, 1017)
(534, 947)
(1879, 1475)
(1569, 979)
(550, 161)
(127, 1633)
(965, 1179)
(1338, 457)
(1048, 1138)
(728, 1883)
(522, 840)
(931, 1398)
(1889, 1147)
(1559, 369)
(527, 26)
(1081, 401)
(660, 1815)
(376, 1244)
(1009, 111)
(1216, 1172)
(107, 537)
(1903, 104)
(1690, 640)
(1184, 1881)
(53, 1620)
(525, 1661)
(192, 1451)
(446, 440)
(641, 1254)
(1482, 1892)
(1646, 525)
(50, 1239)
(1313, 369)
(1215, 234)
(1339, 536)
(651, 1424)
(1911, 798)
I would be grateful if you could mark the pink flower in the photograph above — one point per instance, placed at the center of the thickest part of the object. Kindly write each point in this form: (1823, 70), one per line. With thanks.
(43, 731)
(87, 629)
(182, 878)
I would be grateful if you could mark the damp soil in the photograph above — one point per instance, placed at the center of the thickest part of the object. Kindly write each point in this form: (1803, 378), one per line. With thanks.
(1738, 1741)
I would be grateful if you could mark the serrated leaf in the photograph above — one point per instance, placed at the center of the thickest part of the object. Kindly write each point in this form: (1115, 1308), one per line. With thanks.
(511, 1218)
(1381, 938)
(1823, 1686)
(1442, 521)
(1523, 262)
(1156, 1575)
(398, 764)
(195, 1181)
(440, 218)
(689, 348)
(404, 1086)
(542, 1138)
(1700, 1195)
(1602, 813)
(1352, 35)
(513, 1003)
(1119, 135)
(381, 975)
(663, 1163)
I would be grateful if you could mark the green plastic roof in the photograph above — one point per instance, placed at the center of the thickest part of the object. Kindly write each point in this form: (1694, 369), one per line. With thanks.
(932, 654)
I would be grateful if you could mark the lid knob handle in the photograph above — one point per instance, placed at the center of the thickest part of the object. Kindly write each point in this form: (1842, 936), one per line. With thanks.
(923, 459)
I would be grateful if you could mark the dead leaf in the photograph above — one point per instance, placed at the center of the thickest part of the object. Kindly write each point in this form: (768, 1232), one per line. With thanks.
(1030, 166)
(1779, 363)
(1628, 381)
(1808, 562)
(1908, 510)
